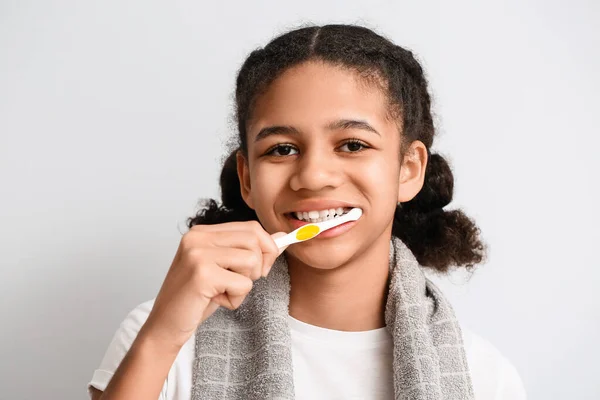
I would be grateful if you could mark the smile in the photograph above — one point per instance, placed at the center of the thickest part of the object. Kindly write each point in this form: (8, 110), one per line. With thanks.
(321, 215)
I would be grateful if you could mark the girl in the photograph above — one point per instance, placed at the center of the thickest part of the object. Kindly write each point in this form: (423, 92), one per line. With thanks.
(329, 118)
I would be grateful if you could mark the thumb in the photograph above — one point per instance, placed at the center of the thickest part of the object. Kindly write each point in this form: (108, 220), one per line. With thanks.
(269, 263)
(278, 235)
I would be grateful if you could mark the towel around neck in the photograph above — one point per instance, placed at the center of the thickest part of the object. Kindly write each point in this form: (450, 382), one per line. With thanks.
(246, 353)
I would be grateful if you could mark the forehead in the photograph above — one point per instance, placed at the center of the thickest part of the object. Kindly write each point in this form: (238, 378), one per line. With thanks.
(314, 93)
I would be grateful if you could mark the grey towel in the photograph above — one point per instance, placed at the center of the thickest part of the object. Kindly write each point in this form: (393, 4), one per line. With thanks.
(246, 353)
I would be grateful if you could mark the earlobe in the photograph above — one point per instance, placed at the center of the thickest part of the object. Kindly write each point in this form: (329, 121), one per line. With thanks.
(412, 171)
(243, 172)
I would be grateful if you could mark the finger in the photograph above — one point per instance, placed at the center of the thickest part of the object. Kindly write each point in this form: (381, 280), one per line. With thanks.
(236, 239)
(251, 240)
(227, 226)
(265, 240)
(228, 301)
(231, 288)
(210, 308)
(278, 235)
(231, 235)
(241, 261)
(269, 258)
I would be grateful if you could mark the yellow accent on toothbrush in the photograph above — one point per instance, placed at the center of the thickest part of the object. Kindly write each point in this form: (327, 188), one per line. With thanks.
(309, 231)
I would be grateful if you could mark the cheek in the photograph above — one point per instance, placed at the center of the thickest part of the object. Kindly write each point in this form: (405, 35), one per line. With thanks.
(380, 185)
(380, 177)
(266, 183)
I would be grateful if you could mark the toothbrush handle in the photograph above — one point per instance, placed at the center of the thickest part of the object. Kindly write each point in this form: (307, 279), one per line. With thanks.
(286, 240)
(291, 238)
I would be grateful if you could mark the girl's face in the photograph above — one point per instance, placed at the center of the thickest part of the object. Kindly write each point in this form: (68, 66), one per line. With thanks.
(320, 138)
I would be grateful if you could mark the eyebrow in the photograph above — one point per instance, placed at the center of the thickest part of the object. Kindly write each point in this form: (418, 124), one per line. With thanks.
(332, 126)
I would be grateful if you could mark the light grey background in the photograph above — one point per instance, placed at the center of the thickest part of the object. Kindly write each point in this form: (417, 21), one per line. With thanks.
(113, 116)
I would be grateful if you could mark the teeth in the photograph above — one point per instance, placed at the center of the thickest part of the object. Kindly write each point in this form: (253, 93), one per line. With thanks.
(319, 216)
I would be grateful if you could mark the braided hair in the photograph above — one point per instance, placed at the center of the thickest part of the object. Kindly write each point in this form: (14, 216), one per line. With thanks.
(438, 238)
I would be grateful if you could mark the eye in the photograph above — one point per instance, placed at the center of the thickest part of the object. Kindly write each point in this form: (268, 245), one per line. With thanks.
(281, 150)
(354, 146)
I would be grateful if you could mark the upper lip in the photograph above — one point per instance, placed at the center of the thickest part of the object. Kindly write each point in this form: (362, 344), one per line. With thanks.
(318, 205)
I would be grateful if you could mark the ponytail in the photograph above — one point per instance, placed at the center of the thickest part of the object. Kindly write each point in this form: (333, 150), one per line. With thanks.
(438, 238)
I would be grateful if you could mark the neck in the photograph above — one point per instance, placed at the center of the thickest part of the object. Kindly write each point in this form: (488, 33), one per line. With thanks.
(350, 297)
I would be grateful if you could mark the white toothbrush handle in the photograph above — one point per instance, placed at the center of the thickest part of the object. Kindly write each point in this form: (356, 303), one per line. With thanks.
(334, 222)
(286, 240)
(291, 238)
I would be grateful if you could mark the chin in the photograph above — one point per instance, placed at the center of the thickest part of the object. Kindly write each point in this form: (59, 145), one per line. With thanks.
(325, 254)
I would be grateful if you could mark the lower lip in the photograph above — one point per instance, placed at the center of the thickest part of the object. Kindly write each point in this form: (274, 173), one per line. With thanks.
(329, 233)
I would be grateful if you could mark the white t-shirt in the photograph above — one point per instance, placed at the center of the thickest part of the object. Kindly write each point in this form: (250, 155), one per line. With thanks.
(327, 364)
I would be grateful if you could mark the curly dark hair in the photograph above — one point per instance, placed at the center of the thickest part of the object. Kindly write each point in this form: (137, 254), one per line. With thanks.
(438, 238)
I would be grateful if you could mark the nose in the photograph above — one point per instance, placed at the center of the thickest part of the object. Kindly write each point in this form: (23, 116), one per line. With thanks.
(316, 171)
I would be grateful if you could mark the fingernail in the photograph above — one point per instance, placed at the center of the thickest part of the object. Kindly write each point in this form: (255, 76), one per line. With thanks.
(281, 250)
(266, 271)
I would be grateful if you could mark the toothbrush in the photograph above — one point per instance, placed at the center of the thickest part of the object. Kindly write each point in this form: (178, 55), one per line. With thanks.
(309, 231)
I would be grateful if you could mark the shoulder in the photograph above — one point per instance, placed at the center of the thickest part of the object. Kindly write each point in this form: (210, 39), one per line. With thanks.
(494, 376)
(176, 385)
(120, 344)
(131, 325)
(137, 317)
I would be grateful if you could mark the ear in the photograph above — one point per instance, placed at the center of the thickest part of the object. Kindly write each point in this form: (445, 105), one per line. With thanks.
(412, 171)
(243, 172)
